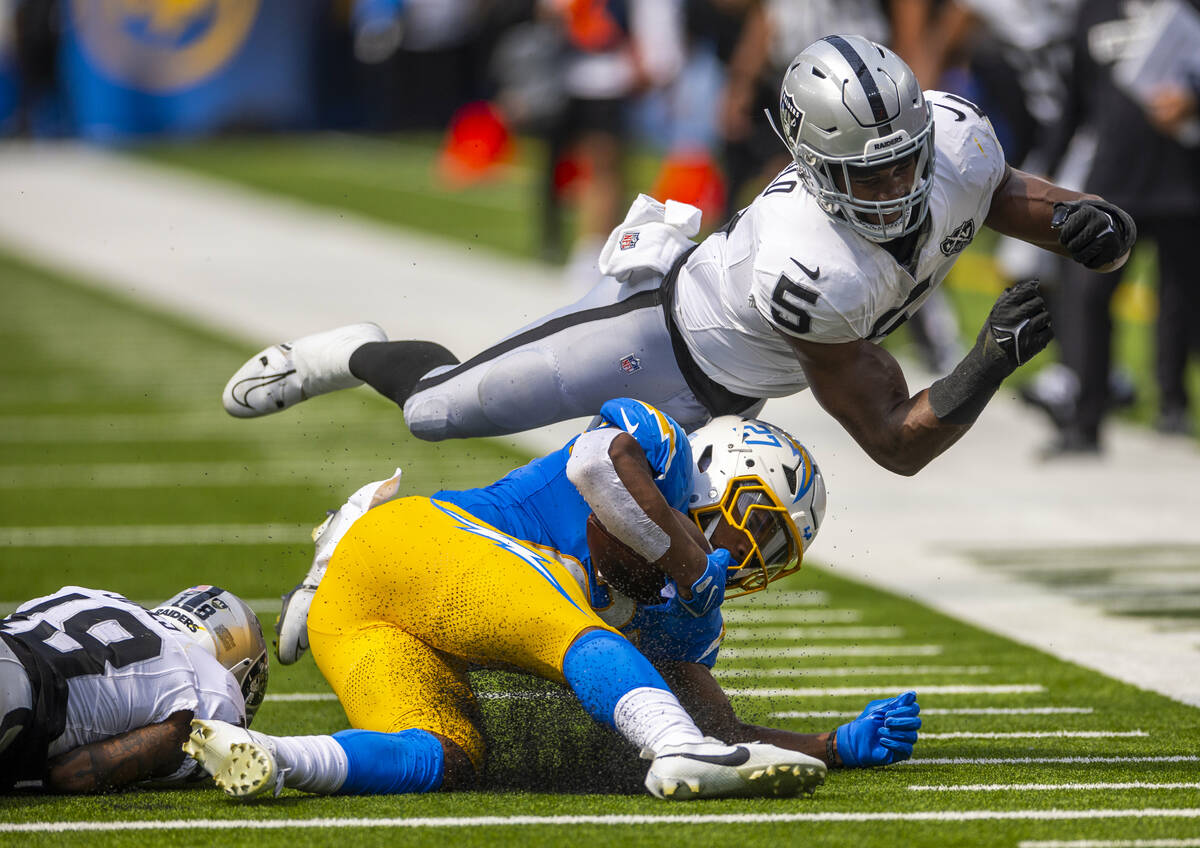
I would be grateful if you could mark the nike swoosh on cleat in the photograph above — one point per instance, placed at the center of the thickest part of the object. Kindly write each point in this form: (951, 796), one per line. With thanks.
(246, 386)
(812, 275)
(737, 757)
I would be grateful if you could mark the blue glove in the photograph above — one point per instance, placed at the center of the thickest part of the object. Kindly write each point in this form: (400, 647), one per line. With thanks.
(708, 591)
(884, 733)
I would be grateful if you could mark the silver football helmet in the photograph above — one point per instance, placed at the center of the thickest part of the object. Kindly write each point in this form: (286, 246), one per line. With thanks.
(224, 625)
(762, 482)
(848, 105)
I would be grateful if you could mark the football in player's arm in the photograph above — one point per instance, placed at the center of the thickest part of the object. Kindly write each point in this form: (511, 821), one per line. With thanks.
(97, 693)
(516, 552)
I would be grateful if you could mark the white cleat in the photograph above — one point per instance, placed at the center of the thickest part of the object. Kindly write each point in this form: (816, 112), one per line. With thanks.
(714, 770)
(240, 766)
(291, 628)
(285, 374)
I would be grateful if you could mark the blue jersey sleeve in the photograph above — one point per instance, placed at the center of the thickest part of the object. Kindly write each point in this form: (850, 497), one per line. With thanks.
(677, 638)
(664, 441)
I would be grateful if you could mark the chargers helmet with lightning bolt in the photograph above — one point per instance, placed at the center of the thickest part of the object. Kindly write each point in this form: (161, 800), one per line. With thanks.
(763, 483)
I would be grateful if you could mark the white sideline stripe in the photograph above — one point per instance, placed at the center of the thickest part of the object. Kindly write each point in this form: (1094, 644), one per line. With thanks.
(1016, 761)
(617, 820)
(1043, 734)
(886, 689)
(852, 671)
(1042, 787)
(833, 651)
(759, 616)
(1110, 843)
(133, 535)
(989, 711)
(831, 632)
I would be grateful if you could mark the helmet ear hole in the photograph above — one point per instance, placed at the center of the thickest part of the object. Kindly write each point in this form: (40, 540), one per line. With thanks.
(705, 459)
(790, 474)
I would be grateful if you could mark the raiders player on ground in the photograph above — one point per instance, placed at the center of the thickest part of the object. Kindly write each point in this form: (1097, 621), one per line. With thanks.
(97, 692)
(888, 185)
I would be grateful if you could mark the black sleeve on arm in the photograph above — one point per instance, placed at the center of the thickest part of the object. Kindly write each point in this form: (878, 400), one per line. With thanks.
(1016, 329)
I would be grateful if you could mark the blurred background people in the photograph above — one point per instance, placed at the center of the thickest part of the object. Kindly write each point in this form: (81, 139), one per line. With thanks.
(1136, 112)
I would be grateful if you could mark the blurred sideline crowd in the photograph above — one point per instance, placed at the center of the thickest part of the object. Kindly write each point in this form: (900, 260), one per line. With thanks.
(1100, 95)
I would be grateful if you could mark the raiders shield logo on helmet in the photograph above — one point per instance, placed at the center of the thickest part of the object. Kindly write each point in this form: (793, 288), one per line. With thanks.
(792, 118)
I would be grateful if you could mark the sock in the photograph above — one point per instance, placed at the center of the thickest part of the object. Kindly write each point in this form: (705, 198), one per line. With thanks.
(654, 719)
(391, 763)
(621, 689)
(394, 368)
(315, 764)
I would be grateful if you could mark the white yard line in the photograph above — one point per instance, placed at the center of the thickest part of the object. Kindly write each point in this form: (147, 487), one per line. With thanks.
(839, 691)
(546, 695)
(1110, 843)
(832, 651)
(1020, 761)
(737, 634)
(770, 601)
(155, 534)
(735, 614)
(614, 820)
(1042, 734)
(853, 671)
(937, 711)
(141, 475)
(1045, 787)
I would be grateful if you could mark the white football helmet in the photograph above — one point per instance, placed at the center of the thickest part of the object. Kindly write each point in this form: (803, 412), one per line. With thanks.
(848, 105)
(764, 483)
(221, 623)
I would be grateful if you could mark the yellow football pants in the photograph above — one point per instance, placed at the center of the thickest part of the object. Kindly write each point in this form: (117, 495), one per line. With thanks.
(416, 591)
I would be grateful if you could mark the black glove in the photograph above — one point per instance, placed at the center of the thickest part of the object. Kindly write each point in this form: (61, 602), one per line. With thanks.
(1018, 327)
(1096, 233)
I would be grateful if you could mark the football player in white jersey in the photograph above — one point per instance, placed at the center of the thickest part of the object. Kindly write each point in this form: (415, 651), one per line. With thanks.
(97, 692)
(887, 186)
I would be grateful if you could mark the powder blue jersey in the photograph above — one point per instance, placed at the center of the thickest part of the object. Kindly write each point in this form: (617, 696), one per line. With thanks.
(537, 503)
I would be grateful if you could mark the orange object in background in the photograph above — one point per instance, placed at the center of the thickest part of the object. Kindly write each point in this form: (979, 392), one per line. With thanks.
(477, 142)
(694, 178)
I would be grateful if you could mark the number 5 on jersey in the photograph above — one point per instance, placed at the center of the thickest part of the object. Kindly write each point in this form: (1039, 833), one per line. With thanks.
(787, 302)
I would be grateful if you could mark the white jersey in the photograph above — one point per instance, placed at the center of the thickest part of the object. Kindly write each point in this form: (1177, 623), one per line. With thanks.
(124, 668)
(786, 268)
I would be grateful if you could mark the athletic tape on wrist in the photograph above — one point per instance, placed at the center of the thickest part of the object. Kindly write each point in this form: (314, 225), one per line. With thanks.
(961, 395)
(592, 471)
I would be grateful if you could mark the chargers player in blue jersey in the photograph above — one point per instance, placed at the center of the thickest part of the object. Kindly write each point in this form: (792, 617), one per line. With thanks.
(405, 593)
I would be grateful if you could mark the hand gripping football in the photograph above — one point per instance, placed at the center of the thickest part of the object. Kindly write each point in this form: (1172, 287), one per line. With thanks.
(627, 571)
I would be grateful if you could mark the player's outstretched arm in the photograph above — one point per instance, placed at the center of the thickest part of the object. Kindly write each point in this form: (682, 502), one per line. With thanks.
(148, 752)
(884, 732)
(1084, 227)
(863, 387)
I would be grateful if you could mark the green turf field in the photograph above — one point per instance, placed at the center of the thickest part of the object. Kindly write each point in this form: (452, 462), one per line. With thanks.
(122, 472)
(394, 179)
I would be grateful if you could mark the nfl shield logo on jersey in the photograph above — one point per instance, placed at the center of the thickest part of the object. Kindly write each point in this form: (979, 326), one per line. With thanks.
(960, 238)
(630, 364)
(629, 240)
